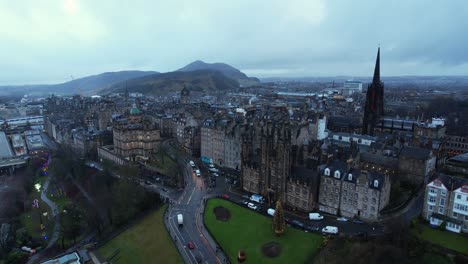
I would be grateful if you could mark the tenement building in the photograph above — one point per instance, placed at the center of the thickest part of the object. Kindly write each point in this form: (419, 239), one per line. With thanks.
(352, 192)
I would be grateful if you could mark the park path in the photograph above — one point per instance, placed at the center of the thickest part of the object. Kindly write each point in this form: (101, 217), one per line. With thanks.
(56, 231)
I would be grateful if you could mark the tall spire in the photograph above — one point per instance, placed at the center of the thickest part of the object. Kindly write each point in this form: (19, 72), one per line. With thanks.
(376, 78)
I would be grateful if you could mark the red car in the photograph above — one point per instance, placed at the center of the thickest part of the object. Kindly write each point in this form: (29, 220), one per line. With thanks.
(225, 196)
(190, 245)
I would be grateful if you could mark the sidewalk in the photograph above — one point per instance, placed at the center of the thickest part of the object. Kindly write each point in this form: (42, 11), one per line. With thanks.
(213, 244)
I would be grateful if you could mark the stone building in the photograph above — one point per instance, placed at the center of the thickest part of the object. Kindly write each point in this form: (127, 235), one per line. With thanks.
(136, 137)
(220, 142)
(416, 165)
(353, 192)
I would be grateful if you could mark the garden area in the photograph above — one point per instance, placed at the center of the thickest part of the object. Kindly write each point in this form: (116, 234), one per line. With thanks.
(443, 238)
(238, 228)
(147, 240)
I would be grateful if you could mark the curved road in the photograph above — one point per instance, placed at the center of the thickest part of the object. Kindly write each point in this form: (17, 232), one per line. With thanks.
(190, 205)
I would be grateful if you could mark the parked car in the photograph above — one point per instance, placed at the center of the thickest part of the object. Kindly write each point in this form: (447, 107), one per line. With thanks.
(315, 216)
(271, 211)
(246, 196)
(226, 196)
(147, 182)
(245, 202)
(192, 164)
(211, 165)
(312, 228)
(359, 222)
(214, 170)
(164, 189)
(252, 206)
(330, 230)
(190, 245)
(215, 174)
(297, 223)
(342, 219)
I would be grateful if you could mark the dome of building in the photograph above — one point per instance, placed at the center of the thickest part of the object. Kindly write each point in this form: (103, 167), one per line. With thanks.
(135, 110)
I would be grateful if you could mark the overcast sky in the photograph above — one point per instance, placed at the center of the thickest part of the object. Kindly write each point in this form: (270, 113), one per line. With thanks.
(46, 41)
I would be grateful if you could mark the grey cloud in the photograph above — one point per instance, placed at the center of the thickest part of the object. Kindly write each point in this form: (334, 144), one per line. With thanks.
(291, 38)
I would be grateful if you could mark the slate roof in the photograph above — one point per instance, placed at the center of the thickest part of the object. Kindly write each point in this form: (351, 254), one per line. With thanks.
(415, 153)
(372, 177)
(304, 175)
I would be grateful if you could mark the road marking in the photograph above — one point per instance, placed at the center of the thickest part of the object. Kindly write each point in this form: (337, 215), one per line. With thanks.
(188, 202)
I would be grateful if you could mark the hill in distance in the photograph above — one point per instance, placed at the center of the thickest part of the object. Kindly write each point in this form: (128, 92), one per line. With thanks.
(159, 84)
(86, 86)
(224, 68)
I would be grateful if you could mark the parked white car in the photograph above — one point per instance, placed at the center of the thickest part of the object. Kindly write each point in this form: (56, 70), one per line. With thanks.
(330, 230)
(252, 206)
(192, 164)
(315, 216)
(342, 219)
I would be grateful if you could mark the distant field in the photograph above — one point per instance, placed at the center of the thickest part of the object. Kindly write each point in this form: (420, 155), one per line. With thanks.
(248, 230)
(146, 242)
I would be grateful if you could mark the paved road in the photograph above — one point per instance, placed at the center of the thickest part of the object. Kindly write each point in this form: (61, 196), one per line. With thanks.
(190, 205)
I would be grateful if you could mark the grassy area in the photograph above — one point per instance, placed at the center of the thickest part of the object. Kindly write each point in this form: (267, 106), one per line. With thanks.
(445, 239)
(164, 164)
(146, 242)
(31, 219)
(248, 230)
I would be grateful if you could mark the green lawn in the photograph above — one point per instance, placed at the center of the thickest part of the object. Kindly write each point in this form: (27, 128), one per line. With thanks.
(146, 242)
(445, 239)
(32, 218)
(249, 230)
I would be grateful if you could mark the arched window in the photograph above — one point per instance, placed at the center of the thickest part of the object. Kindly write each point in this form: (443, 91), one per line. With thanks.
(350, 177)
(376, 183)
(327, 172)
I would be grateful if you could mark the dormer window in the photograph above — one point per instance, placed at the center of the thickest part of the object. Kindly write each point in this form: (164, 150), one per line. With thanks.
(337, 174)
(350, 177)
(376, 183)
(327, 172)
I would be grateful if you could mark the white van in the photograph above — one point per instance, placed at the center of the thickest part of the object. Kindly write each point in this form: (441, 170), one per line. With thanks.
(192, 164)
(256, 198)
(197, 172)
(330, 230)
(315, 216)
(271, 211)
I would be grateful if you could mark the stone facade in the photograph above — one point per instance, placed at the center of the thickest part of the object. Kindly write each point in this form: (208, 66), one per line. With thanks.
(136, 137)
(352, 192)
